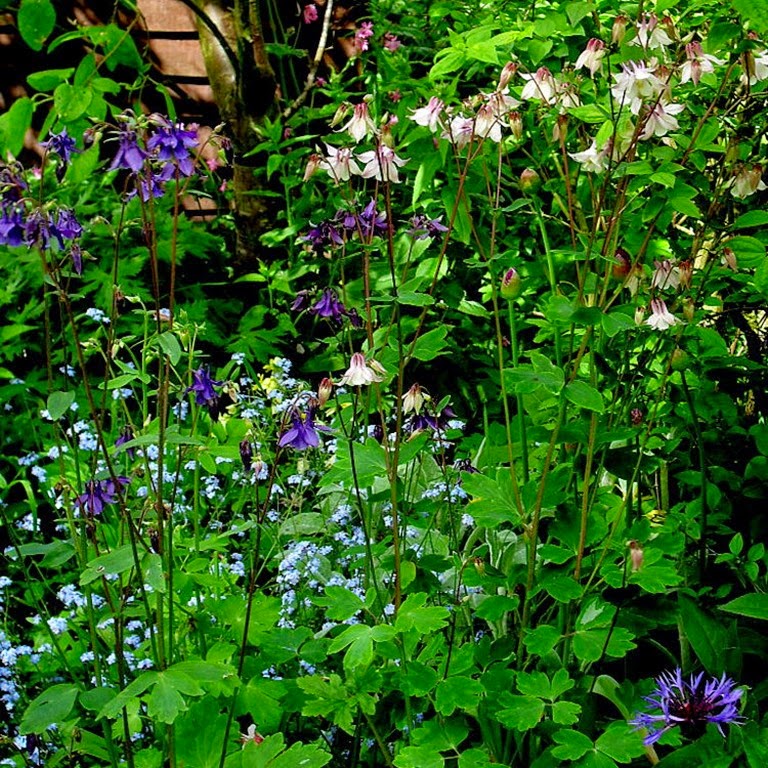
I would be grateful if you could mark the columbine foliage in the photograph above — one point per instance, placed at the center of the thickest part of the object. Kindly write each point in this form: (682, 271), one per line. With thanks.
(492, 484)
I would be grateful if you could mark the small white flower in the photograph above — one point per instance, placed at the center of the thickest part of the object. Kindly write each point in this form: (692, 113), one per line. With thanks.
(661, 119)
(382, 164)
(665, 275)
(460, 131)
(487, 124)
(755, 67)
(747, 181)
(697, 63)
(429, 116)
(360, 374)
(592, 159)
(636, 83)
(649, 34)
(660, 318)
(541, 86)
(592, 56)
(340, 163)
(360, 124)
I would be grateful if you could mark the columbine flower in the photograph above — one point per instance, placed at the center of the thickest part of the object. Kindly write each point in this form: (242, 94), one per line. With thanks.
(310, 13)
(661, 119)
(541, 86)
(172, 143)
(203, 387)
(430, 115)
(487, 124)
(129, 154)
(423, 227)
(636, 83)
(661, 318)
(391, 43)
(665, 275)
(649, 34)
(592, 56)
(12, 227)
(329, 306)
(755, 67)
(98, 494)
(690, 704)
(370, 222)
(382, 164)
(697, 63)
(413, 399)
(303, 433)
(363, 34)
(63, 145)
(360, 374)
(340, 163)
(747, 181)
(251, 735)
(360, 124)
(592, 159)
(460, 131)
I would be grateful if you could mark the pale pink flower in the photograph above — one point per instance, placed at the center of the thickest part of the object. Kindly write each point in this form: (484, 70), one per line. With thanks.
(567, 95)
(747, 181)
(310, 13)
(661, 119)
(460, 131)
(487, 124)
(635, 84)
(755, 67)
(315, 161)
(363, 34)
(541, 86)
(635, 555)
(382, 164)
(665, 275)
(697, 63)
(501, 103)
(429, 116)
(660, 318)
(360, 124)
(592, 56)
(391, 43)
(360, 374)
(649, 34)
(592, 159)
(414, 399)
(340, 163)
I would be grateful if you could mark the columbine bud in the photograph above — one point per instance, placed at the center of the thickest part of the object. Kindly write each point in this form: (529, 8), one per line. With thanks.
(669, 25)
(679, 360)
(515, 124)
(324, 390)
(312, 165)
(510, 68)
(685, 270)
(635, 555)
(529, 180)
(511, 284)
(622, 265)
(246, 454)
(341, 113)
(729, 259)
(689, 308)
(636, 416)
(619, 28)
(560, 131)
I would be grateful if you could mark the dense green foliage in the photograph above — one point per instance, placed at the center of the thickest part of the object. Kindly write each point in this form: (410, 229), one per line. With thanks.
(477, 453)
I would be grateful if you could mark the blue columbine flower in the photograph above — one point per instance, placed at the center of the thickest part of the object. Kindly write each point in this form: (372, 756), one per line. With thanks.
(99, 493)
(690, 704)
(12, 226)
(129, 154)
(203, 387)
(63, 145)
(172, 144)
(303, 432)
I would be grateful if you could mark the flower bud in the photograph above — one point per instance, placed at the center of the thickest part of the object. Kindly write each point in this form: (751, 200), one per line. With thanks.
(635, 555)
(529, 180)
(622, 264)
(619, 28)
(689, 308)
(636, 416)
(511, 284)
(324, 391)
(679, 360)
(729, 259)
(246, 454)
(510, 68)
(515, 124)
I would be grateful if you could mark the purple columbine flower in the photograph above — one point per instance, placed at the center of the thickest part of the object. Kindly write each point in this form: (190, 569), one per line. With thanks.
(173, 143)
(99, 493)
(37, 229)
(126, 436)
(63, 145)
(422, 227)
(322, 235)
(12, 184)
(12, 229)
(129, 154)
(372, 223)
(303, 433)
(67, 226)
(76, 252)
(203, 387)
(690, 704)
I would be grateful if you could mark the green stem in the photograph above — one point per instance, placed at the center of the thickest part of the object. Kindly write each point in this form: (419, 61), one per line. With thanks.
(520, 410)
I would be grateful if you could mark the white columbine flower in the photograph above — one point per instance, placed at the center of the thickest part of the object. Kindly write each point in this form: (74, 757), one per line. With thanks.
(541, 86)
(665, 275)
(649, 34)
(661, 119)
(592, 56)
(661, 318)
(429, 116)
(755, 67)
(487, 124)
(340, 163)
(460, 131)
(360, 374)
(592, 159)
(697, 63)
(636, 83)
(360, 125)
(382, 164)
(747, 181)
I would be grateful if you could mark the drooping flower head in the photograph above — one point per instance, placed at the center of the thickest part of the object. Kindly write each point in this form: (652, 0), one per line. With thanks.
(660, 318)
(172, 144)
(99, 493)
(689, 704)
(303, 432)
(203, 387)
(360, 373)
(130, 155)
(63, 145)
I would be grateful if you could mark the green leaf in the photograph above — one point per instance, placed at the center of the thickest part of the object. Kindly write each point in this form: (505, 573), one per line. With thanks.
(341, 603)
(48, 79)
(431, 344)
(492, 499)
(754, 606)
(36, 20)
(521, 712)
(457, 693)
(198, 734)
(116, 562)
(15, 123)
(170, 345)
(585, 396)
(566, 712)
(571, 744)
(542, 640)
(58, 404)
(71, 102)
(617, 321)
(620, 743)
(132, 691)
(753, 11)
(419, 757)
(413, 614)
(707, 636)
(751, 219)
(359, 644)
(750, 252)
(51, 707)
(418, 680)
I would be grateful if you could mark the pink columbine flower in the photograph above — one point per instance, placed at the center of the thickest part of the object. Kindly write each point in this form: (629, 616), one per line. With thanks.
(660, 318)
(340, 163)
(661, 119)
(697, 63)
(310, 13)
(592, 56)
(592, 159)
(635, 84)
(363, 34)
(360, 124)
(649, 34)
(382, 164)
(541, 86)
(360, 374)
(429, 116)
(391, 43)
(460, 131)
(665, 275)
(487, 124)
(747, 181)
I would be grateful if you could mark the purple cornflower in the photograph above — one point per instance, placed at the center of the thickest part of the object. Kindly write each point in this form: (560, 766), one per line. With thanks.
(689, 704)
(129, 154)
(63, 145)
(99, 493)
(422, 227)
(203, 387)
(303, 433)
(172, 144)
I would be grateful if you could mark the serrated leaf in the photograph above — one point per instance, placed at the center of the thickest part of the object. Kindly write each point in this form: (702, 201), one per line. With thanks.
(542, 640)
(419, 757)
(341, 603)
(754, 606)
(620, 743)
(566, 712)
(414, 614)
(521, 712)
(457, 692)
(51, 707)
